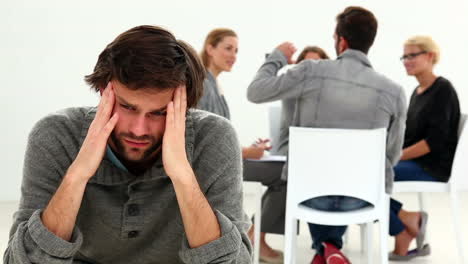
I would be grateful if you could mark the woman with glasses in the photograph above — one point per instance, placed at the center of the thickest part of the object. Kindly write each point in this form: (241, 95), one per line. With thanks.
(430, 141)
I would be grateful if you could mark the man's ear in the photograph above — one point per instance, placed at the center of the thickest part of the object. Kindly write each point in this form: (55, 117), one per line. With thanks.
(343, 44)
(101, 90)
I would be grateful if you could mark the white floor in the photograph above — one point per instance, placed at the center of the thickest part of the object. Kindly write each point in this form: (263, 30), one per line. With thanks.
(440, 231)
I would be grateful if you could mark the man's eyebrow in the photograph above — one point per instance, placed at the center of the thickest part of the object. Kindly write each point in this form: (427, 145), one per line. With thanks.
(123, 101)
(161, 109)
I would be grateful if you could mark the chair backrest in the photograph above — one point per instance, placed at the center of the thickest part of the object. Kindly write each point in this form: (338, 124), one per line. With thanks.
(348, 162)
(459, 174)
(274, 118)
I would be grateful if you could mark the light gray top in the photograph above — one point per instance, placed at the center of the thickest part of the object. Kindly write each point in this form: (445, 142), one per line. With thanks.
(341, 93)
(212, 101)
(107, 229)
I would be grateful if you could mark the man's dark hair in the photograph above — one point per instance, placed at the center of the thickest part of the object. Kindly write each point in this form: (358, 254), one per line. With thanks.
(358, 26)
(149, 57)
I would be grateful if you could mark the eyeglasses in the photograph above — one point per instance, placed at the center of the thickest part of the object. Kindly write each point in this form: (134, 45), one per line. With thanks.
(411, 56)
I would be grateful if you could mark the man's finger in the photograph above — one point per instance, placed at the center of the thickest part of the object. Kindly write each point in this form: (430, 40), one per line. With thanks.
(177, 96)
(105, 108)
(184, 100)
(107, 130)
(170, 116)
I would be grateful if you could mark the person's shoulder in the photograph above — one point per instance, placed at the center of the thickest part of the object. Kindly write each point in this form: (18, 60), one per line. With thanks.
(65, 121)
(444, 89)
(387, 85)
(322, 63)
(444, 82)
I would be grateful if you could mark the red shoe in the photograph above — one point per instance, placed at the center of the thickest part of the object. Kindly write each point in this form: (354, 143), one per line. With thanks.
(333, 255)
(318, 259)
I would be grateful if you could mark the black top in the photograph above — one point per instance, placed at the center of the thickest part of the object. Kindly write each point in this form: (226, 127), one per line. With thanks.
(434, 116)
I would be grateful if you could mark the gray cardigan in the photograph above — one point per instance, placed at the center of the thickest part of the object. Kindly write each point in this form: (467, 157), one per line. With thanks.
(211, 100)
(109, 229)
(341, 93)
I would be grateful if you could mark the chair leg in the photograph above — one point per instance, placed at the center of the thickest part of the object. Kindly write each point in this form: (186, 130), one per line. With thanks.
(257, 224)
(383, 226)
(369, 235)
(290, 238)
(364, 237)
(457, 227)
(346, 237)
(423, 207)
(422, 201)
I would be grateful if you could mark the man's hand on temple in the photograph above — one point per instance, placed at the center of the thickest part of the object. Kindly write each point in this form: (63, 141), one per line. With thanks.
(94, 146)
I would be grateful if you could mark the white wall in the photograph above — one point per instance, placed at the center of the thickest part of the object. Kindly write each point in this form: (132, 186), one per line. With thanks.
(46, 47)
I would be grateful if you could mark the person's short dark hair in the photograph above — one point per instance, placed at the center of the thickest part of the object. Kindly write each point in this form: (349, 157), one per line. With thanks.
(322, 54)
(358, 26)
(149, 57)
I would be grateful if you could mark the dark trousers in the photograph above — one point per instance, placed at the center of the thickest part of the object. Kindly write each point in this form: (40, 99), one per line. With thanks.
(274, 199)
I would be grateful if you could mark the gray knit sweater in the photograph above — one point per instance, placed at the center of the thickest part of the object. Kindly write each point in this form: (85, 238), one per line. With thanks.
(123, 218)
(212, 101)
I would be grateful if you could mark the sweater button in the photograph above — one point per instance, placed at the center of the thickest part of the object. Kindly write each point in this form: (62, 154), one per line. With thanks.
(133, 210)
(132, 234)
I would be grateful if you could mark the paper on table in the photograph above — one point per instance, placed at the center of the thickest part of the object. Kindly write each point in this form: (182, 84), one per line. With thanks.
(270, 158)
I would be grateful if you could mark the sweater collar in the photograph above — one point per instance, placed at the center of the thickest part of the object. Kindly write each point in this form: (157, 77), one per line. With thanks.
(110, 172)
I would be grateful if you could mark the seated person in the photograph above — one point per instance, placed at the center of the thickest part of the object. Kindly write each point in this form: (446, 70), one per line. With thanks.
(430, 140)
(326, 96)
(142, 177)
(219, 55)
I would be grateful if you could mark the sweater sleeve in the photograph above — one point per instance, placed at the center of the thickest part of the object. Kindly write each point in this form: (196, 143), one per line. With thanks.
(268, 87)
(218, 160)
(439, 119)
(44, 165)
(395, 138)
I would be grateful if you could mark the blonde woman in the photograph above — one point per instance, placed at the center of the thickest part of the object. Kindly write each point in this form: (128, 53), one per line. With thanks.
(219, 55)
(430, 141)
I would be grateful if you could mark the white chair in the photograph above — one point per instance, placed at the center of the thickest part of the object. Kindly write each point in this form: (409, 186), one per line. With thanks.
(347, 162)
(458, 182)
(274, 118)
(257, 189)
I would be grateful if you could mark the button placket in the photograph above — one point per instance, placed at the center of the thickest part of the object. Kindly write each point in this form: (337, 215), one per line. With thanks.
(133, 210)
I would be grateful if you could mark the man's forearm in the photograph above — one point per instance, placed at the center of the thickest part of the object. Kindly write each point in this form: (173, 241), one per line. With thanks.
(200, 222)
(60, 214)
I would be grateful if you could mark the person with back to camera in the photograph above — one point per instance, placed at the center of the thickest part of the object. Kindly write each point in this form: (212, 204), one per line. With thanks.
(142, 177)
(326, 96)
(430, 141)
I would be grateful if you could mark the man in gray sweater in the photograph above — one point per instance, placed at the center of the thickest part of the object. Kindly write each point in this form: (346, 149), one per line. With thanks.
(139, 178)
(341, 93)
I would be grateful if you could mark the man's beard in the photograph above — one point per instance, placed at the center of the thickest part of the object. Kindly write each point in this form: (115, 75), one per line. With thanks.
(147, 154)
